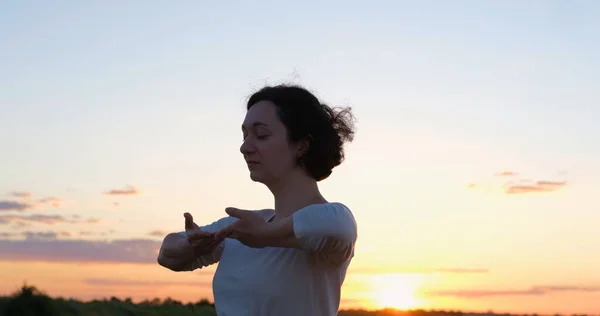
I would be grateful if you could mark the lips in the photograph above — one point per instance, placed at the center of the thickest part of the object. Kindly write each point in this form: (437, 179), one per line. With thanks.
(252, 163)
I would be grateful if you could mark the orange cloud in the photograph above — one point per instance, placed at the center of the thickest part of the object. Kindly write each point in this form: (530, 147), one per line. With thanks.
(91, 233)
(538, 186)
(459, 270)
(506, 173)
(521, 186)
(535, 290)
(128, 190)
(419, 271)
(158, 233)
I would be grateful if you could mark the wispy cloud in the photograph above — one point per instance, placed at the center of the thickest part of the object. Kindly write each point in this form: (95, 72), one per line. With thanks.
(44, 219)
(143, 251)
(535, 290)
(45, 235)
(128, 190)
(506, 173)
(520, 186)
(37, 234)
(14, 206)
(20, 194)
(121, 282)
(91, 233)
(459, 270)
(537, 186)
(25, 202)
(54, 201)
(418, 271)
(17, 225)
(158, 233)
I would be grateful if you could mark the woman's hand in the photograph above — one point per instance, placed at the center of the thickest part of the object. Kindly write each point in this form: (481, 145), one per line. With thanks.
(250, 229)
(202, 242)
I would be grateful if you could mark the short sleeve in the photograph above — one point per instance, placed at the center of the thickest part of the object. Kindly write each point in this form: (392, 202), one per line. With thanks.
(329, 229)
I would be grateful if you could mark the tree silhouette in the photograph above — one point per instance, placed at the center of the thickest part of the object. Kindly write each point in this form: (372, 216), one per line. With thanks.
(29, 301)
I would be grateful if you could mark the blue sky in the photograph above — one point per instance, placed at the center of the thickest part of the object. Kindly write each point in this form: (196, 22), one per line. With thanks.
(96, 96)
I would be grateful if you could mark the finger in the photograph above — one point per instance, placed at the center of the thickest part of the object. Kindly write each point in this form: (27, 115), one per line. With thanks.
(221, 234)
(204, 234)
(219, 240)
(206, 240)
(189, 221)
(215, 242)
(237, 213)
(225, 232)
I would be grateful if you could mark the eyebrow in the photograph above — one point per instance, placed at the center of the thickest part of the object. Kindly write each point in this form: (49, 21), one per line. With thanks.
(255, 124)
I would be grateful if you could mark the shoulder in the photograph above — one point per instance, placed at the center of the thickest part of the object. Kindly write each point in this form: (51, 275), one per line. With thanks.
(325, 215)
(328, 228)
(334, 208)
(342, 212)
(338, 206)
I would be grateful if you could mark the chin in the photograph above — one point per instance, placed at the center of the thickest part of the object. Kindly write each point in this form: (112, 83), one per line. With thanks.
(256, 177)
(260, 177)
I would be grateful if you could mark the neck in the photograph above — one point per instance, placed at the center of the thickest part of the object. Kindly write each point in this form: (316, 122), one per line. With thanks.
(294, 193)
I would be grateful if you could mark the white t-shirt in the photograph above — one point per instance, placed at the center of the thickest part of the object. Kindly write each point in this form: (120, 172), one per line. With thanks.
(277, 281)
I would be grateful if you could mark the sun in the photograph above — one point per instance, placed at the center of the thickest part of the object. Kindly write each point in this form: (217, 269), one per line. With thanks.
(395, 291)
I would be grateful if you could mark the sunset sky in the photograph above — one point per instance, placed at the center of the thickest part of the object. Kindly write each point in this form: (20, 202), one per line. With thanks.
(473, 175)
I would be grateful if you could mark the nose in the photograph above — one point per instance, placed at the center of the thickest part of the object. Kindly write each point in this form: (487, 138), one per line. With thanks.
(247, 148)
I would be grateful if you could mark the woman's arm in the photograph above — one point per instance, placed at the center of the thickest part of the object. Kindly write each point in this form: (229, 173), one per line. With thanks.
(327, 229)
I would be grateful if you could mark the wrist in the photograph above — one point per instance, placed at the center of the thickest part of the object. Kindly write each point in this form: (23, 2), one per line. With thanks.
(281, 233)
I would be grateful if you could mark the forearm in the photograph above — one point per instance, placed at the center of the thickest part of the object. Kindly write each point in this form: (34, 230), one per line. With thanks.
(282, 234)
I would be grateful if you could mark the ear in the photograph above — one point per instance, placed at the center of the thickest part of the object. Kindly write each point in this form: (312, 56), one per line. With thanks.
(304, 145)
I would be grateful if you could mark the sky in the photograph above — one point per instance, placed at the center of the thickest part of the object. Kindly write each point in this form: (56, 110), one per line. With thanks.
(472, 175)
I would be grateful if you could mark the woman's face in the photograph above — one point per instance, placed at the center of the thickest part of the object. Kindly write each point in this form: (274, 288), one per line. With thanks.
(266, 149)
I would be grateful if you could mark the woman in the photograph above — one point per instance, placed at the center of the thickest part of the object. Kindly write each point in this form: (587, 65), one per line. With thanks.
(290, 260)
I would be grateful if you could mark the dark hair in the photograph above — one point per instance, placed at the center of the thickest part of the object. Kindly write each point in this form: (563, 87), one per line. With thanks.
(305, 117)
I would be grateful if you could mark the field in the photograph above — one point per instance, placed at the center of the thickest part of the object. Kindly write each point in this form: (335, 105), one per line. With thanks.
(29, 301)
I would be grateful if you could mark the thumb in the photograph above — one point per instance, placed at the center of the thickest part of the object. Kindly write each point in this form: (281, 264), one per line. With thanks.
(189, 221)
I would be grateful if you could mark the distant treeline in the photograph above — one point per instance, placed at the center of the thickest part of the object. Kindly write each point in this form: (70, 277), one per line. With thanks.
(29, 301)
